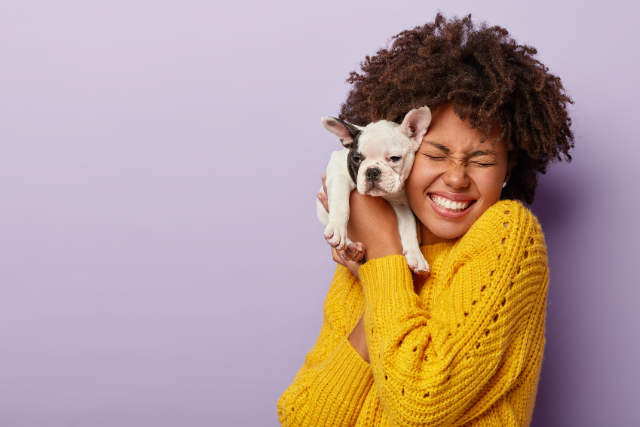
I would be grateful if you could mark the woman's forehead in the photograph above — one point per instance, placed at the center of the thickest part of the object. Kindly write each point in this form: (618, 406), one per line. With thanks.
(468, 143)
(450, 133)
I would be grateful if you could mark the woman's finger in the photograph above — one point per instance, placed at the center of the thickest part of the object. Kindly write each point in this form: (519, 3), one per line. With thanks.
(322, 196)
(351, 265)
(324, 182)
(354, 252)
(337, 257)
(324, 200)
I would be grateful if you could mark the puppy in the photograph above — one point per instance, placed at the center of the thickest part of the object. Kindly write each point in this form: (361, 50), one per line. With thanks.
(376, 160)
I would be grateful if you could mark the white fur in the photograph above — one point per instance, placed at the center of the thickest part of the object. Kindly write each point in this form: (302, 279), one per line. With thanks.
(378, 142)
(339, 187)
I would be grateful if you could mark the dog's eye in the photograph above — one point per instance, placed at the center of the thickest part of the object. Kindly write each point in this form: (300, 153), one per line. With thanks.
(395, 159)
(355, 159)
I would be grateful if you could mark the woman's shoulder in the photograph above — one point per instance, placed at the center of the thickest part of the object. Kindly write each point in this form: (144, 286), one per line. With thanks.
(506, 224)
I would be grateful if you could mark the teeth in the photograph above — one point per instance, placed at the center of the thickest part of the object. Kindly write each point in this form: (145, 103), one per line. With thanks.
(448, 204)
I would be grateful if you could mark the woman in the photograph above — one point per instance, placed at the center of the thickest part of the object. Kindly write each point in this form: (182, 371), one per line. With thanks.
(465, 347)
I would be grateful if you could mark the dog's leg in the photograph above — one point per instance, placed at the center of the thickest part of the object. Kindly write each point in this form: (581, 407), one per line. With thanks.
(323, 215)
(336, 230)
(339, 187)
(409, 238)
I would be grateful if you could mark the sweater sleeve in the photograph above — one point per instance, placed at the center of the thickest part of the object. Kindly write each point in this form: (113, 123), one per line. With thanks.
(448, 363)
(331, 386)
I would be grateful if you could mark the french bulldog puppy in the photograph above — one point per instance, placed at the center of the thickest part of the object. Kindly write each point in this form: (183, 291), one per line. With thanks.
(376, 160)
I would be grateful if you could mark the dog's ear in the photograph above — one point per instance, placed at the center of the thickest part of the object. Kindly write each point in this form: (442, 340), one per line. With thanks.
(415, 125)
(345, 132)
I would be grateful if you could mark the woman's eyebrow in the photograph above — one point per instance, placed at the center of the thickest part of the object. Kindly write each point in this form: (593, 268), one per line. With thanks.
(481, 153)
(475, 153)
(440, 147)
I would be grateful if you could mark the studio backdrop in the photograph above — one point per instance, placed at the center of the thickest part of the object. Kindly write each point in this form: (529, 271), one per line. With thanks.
(162, 264)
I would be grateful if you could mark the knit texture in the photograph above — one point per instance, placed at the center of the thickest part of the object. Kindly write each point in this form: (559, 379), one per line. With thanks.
(466, 351)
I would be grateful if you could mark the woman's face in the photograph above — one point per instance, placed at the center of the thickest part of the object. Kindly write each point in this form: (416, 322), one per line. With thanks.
(455, 177)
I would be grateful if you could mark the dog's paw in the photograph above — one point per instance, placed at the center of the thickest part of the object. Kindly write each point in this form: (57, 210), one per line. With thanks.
(416, 261)
(336, 236)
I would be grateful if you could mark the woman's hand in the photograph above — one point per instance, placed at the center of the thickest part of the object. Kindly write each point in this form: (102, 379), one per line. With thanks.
(351, 257)
(373, 222)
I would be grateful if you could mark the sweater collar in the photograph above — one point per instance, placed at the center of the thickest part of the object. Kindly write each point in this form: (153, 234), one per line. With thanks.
(431, 252)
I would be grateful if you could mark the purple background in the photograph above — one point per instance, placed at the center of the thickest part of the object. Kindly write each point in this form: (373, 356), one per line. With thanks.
(162, 264)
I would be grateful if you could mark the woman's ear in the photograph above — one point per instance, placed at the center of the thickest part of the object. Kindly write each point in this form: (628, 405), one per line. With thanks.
(506, 178)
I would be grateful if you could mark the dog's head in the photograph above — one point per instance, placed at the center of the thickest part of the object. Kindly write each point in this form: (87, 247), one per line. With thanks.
(381, 154)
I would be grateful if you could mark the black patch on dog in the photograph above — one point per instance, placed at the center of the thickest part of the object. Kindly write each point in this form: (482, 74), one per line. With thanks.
(352, 166)
(355, 133)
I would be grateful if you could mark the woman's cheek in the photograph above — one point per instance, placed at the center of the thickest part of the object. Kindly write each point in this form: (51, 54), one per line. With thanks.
(420, 178)
(490, 184)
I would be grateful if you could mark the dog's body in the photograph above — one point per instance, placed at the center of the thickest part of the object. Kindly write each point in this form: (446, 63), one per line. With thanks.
(376, 160)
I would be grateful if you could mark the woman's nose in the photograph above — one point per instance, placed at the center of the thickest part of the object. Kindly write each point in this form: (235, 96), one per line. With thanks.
(456, 175)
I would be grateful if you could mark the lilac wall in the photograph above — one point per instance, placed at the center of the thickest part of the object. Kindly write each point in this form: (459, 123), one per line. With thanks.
(162, 263)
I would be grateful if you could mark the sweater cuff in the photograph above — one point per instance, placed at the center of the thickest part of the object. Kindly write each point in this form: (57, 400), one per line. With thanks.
(388, 289)
(342, 385)
(389, 279)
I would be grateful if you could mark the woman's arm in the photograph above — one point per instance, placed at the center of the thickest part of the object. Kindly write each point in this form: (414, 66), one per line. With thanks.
(331, 386)
(379, 216)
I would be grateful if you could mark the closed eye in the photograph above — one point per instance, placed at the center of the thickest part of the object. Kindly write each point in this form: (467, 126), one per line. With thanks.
(435, 157)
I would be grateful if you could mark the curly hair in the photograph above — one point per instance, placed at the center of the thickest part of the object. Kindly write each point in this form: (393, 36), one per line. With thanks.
(489, 78)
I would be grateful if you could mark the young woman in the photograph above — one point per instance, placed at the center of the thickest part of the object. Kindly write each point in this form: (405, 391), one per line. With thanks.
(465, 346)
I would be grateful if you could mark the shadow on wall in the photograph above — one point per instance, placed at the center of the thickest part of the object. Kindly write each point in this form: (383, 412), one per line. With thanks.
(558, 203)
(551, 206)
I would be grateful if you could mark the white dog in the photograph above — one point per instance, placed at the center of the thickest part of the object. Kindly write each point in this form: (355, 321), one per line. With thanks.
(376, 160)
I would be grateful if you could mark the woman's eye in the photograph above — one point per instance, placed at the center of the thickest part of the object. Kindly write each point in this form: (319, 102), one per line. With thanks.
(395, 159)
(434, 157)
(484, 165)
(355, 159)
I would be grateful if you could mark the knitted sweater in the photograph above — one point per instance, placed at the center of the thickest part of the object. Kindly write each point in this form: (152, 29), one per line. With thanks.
(466, 351)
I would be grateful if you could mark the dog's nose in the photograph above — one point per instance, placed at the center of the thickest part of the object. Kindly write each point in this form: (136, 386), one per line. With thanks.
(373, 174)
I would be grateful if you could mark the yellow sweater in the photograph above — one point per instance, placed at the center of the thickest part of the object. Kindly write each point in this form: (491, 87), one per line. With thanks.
(466, 351)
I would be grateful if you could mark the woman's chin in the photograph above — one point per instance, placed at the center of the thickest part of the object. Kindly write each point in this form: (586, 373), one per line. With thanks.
(446, 228)
(449, 234)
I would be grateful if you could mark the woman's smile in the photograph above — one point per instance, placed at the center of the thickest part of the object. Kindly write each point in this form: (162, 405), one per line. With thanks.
(450, 205)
